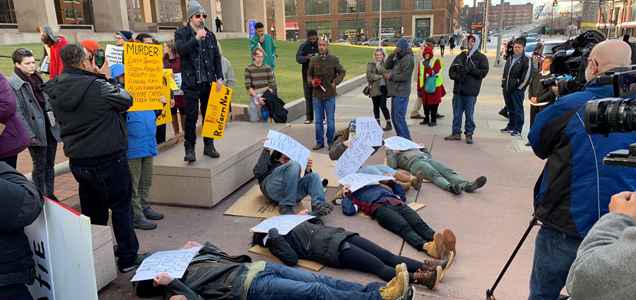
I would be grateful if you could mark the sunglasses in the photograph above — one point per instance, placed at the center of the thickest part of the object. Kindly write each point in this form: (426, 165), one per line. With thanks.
(199, 16)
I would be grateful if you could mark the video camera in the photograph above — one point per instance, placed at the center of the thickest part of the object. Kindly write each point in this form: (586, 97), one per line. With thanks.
(618, 114)
(570, 60)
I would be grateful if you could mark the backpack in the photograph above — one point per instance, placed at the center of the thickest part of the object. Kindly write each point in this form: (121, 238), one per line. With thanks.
(276, 107)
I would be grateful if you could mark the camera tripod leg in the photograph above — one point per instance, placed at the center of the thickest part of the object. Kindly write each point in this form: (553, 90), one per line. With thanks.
(491, 291)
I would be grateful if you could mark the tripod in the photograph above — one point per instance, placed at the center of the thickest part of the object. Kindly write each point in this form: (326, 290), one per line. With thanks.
(491, 291)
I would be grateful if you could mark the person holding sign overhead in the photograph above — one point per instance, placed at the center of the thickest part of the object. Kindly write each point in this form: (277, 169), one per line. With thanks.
(201, 65)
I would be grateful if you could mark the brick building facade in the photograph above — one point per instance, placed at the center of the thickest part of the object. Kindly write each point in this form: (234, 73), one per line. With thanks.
(513, 14)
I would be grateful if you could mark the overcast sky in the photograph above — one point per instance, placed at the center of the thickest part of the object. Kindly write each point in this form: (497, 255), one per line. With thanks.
(495, 2)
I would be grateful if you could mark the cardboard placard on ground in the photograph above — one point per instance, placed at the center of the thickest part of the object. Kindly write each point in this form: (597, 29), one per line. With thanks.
(217, 112)
(326, 168)
(307, 264)
(253, 204)
(144, 75)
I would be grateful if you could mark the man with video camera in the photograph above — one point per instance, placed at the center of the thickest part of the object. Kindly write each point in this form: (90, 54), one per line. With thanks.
(574, 188)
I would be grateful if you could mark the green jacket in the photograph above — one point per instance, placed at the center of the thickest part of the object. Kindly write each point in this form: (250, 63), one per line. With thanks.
(405, 159)
(269, 47)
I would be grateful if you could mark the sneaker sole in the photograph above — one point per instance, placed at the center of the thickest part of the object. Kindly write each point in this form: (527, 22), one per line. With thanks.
(405, 286)
(401, 268)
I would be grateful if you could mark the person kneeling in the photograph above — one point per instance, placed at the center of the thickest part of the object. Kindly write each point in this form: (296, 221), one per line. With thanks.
(385, 202)
(421, 163)
(335, 247)
(280, 181)
(213, 274)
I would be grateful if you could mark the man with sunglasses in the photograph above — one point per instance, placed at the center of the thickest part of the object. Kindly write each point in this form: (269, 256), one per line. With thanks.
(200, 67)
(575, 188)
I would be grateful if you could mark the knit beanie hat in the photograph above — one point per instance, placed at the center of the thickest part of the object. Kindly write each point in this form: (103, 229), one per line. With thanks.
(427, 50)
(90, 45)
(194, 7)
(403, 44)
(127, 35)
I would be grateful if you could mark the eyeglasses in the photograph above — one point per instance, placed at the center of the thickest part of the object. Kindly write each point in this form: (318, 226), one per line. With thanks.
(199, 16)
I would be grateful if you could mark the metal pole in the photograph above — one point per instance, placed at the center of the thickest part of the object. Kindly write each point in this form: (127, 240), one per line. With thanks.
(380, 26)
(501, 23)
(571, 12)
(484, 29)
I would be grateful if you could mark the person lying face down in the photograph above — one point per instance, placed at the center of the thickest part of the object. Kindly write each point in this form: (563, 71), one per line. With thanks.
(420, 163)
(338, 248)
(214, 274)
(386, 203)
(281, 182)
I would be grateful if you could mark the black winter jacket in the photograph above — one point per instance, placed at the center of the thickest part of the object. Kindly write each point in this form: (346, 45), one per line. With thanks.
(516, 76)
(304, 50)
(468, 73)
(310, 241)
(89, 112)
(188, 49)
(21, 204)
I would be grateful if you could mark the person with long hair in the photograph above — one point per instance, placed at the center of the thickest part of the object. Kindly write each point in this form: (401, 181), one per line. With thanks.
(430, 85)
(377, 87)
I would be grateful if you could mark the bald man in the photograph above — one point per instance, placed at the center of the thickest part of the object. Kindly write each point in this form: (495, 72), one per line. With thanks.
(574, 189)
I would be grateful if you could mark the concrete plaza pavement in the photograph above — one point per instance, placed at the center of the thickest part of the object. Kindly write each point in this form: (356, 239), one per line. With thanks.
(488, 223)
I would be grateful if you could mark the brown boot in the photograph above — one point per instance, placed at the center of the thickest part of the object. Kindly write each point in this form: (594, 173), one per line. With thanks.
(436, 248)
(432, 264)
(397, 288)
(449, 239)
(428, 278)
(416, 181)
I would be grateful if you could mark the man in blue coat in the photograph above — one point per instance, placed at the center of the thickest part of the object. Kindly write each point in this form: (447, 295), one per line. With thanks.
(575, 187)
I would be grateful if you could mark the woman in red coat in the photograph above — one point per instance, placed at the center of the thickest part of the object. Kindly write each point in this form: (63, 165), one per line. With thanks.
(430, 67)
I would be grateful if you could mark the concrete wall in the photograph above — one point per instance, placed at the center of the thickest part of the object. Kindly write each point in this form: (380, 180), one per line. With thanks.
(257, 10)
(110, 16)
(279, 12)
(233, 15)
(33, 13)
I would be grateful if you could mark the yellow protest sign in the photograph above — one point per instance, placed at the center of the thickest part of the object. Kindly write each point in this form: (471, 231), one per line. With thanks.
(169, 80)
(166, 113)
(217, 112)
(144, 75)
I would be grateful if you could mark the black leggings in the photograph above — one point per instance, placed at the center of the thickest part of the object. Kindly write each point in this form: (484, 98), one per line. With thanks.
(405, 222)
(379, 103)
(430, 112)
(363, 255)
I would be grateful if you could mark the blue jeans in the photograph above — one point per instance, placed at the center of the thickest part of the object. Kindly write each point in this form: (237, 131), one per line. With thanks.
(285, 186)
(321, 108)
(377, 170)
(463, 105)
(399, 105)
(514, 104)
(278, 282)
(554, 253)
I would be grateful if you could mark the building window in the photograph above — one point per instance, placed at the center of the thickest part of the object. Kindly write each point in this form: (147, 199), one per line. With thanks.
(350, 29)
(74, 11)
(290, 8)
(350, 6)
(317, 7)
(322, 27)
(170, 12)
(387, 5)
(7, 12)
(424, 4)
(390, 26)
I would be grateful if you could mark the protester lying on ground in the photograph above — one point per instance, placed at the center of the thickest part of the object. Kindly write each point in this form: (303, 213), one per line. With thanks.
(21, 205)
(420, 163)
(142, 148)
(337, 248)
(281, 182)
(605, 262)
(214, 274)
(386, 202)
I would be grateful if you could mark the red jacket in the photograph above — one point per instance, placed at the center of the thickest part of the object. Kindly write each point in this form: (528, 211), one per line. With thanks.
(440, 92)
(55, 65)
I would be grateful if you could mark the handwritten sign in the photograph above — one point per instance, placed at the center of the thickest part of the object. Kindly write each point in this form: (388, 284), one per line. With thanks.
(114, 54)
(217, 112)
(357, 181)
(353, 158)
(288, 146)
(400, 144)
(368, 130)
(166, 115)
(284, 224)
(173, 262)
(144, 75)
(177, 79)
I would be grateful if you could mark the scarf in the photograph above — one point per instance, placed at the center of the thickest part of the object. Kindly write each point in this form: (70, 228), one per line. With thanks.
(36, 82)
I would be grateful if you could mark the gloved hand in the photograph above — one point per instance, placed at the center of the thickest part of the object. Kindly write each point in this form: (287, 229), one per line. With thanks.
(316, 82)
(321, 209)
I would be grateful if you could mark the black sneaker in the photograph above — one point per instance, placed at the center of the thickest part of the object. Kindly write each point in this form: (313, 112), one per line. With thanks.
(504, 113)
(308, 121)
(478, 183)
(210, 151)
(318, 147)
(418, 116)
(138, 260)
(151, 214)
(505, 130)
(440, 116)
(144, 224)
(515, 133)
(190, 156)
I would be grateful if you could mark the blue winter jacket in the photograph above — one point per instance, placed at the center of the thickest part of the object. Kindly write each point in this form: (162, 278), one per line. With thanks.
(141, 134)
(574, 189)
(365, 197)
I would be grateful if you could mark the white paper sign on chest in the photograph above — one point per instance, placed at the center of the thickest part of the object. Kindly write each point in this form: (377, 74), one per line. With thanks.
(288, 146)
(368, 131)
(284, 224)
(398, 143)
(357, 181)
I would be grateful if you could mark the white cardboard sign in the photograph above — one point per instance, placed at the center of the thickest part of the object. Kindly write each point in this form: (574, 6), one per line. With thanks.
(288, 146)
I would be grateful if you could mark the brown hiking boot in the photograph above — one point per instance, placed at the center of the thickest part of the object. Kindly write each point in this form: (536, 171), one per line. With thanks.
(436, 248)
(453, 137)
(428, 279)
(397, 288)
(449, 239)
